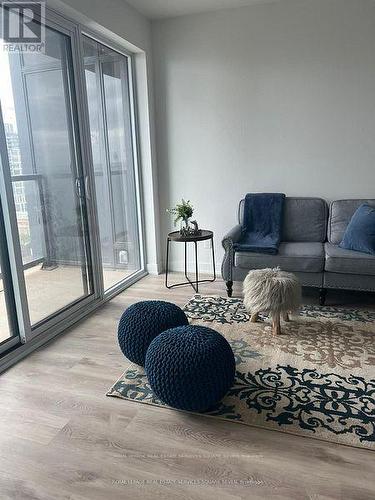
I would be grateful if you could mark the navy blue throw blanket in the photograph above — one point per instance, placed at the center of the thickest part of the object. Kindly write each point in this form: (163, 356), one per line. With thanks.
(263, 215)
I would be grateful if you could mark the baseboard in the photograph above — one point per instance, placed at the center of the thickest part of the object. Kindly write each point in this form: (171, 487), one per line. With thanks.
(153, 269)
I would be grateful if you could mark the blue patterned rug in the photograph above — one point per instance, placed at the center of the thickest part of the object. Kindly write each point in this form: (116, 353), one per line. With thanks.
(317, 379)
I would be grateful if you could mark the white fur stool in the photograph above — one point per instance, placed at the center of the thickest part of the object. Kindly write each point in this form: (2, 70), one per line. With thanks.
(271, 291)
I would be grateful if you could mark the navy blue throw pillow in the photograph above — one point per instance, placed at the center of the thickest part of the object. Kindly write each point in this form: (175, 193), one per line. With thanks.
(360, 233)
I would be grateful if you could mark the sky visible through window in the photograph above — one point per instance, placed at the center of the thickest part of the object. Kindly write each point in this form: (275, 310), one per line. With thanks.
(6, 94)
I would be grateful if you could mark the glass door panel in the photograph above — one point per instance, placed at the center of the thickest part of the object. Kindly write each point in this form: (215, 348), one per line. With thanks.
(7, 308)
(107, 86)
(5, 331)
(39, 118)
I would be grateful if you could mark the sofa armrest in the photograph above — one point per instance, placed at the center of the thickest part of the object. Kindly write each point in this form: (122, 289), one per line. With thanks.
(233, 236)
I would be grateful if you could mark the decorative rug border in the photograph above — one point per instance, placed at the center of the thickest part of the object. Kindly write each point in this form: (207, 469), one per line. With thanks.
(223, 419)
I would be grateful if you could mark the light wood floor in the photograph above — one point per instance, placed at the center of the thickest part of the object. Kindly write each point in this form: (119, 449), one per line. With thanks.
(62, 438)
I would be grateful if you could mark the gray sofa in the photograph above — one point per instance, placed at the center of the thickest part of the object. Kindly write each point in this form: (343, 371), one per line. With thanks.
(309, 248)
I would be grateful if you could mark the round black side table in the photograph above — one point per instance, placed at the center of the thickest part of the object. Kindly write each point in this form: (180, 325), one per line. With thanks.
(203, 235)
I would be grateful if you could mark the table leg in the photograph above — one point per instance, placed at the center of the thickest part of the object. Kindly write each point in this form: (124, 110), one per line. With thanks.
(213, 258)
(286, 316)
(185, 261)
(276, 327)
(196, 266)
(254, 318)
(167, 264)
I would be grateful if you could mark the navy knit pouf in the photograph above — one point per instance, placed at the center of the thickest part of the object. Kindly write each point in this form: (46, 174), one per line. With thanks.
(190, 367)
(142, 322)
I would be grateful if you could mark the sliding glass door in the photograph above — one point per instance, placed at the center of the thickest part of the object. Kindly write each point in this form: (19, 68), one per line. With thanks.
(70, 234)
(108, 94)
(44, 171)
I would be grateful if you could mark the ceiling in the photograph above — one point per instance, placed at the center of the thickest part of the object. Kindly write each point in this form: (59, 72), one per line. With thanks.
(158, 9)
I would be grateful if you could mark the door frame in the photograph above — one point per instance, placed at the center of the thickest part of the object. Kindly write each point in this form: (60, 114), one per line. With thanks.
(12, 238)
(9, 299)
(103, 40)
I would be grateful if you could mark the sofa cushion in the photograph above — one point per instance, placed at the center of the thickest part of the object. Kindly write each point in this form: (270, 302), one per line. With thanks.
(360, 233)
(297, 257)
(340, 214)
(339, 260)
(304, 219)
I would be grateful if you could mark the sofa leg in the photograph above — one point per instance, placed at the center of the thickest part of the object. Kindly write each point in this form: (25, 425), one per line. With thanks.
(322, 296)
(229, 288)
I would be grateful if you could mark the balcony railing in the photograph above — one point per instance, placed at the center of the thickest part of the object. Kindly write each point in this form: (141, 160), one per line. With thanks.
(31, 218)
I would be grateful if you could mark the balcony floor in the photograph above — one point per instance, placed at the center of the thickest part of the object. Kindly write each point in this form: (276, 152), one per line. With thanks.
(51, 290)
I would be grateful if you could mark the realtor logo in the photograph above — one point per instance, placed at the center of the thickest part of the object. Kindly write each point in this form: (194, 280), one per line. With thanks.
(23, 27)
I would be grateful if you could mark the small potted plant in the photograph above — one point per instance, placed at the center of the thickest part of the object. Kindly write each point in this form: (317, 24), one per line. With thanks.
(183, 212)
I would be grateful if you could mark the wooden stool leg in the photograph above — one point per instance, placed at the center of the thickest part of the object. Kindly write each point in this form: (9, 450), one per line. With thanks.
(276, 327)
(286, 316)
(254, 318)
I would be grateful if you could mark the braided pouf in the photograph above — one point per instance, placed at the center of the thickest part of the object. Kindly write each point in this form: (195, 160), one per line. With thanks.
(142, 322)
(190, 368)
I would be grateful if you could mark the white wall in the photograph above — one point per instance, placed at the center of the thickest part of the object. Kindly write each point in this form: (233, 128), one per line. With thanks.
(122, 23)
(117, 16)
(273, 97)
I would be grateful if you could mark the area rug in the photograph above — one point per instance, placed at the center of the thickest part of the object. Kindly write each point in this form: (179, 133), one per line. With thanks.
(317, 379)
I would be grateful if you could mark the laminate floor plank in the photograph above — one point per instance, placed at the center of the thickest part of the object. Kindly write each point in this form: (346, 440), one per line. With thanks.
(62, 438)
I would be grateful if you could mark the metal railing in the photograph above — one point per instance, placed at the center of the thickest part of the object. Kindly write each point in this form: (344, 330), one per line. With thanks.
(33, 228)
